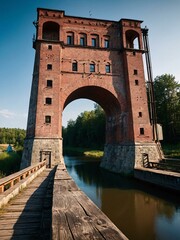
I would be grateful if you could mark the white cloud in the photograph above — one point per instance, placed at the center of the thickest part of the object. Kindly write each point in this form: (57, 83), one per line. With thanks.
(6, 113)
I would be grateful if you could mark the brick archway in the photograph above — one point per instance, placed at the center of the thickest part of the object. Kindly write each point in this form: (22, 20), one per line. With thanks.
(103, 65)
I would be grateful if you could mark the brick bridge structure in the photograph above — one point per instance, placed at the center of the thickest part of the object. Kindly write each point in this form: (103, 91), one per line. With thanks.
(96, 59)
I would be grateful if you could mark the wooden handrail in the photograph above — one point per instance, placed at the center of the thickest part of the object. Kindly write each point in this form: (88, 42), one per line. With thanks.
(11, 180)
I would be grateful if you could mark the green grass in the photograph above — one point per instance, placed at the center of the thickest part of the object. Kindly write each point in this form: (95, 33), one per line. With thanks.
(9, 163)
(171, 150)
(73, 151)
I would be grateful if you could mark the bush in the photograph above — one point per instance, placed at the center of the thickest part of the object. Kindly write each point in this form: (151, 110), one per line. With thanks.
(9, 163)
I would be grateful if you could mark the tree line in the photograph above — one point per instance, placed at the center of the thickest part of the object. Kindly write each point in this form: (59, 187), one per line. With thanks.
(87, 131)
(167, 97)
(13, 136)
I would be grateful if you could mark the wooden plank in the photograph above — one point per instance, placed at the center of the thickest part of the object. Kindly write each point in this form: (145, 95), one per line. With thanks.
(22, 217)
(75, 216)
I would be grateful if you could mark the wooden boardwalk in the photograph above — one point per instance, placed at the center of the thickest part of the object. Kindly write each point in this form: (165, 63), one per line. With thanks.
(53, 207)
(75, 216)
(28, 215)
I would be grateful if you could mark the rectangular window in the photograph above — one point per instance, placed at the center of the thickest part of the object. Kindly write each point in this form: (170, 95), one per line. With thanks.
(135, 71)
(141, 131)
(47, 119)
(74, 66)
(107, 68)
(69, 40)
(140, 114)
(82, 41)
(92, 67)
(49, 83)
(50, 47)
(49, 67)
(48, 101)
(106, 43)
(94, 42)
(136, 82)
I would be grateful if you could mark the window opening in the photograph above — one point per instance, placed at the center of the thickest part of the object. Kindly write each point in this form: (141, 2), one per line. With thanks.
(92, 67)
(136, 82)
(49, 83)
(140, 114)
(74, 66)
(82, 41)
(93, 42)
(47, 119)
(70, 38)
(106, 43)
(49, 67)
(107, 68)
(50, 47)
(135, 71)
(48, 101)
(141, 131)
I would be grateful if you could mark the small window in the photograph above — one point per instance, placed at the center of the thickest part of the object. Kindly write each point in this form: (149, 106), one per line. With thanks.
(135, 71)
(136, 82)
(49, 83)
(141, 131)
(93, 41)
(107, 68)
(74, 66)
(48, 101)
(47, 119)
(92, 67)
(50, 47)
(140, 114)
(49, 67)
(82, 41)
(106, 43)
(134, 53)
(70, 38)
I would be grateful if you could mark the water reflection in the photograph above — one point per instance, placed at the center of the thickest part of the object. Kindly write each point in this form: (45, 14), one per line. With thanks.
(140, 211)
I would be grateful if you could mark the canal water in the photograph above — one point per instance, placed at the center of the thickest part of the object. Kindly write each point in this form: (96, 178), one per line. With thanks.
(139, 210)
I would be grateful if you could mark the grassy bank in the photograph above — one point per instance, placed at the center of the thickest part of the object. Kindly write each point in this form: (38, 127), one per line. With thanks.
(72, 151)
(171, 150)
(9, 163)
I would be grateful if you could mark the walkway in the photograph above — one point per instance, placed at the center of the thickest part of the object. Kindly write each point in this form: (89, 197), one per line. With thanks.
(28, 215)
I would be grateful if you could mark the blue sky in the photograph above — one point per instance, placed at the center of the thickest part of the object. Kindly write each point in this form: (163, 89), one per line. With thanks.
(17, 55)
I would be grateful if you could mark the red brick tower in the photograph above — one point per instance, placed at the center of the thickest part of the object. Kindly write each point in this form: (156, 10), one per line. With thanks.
(95, 59)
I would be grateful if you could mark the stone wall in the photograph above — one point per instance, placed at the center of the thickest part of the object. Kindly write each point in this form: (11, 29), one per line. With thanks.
(122, 158)
(33, 149)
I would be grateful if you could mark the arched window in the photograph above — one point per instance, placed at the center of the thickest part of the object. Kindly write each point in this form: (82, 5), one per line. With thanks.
(82, 39)
(74, 66)
(107, 68)
(70, 38)
(106, 41)
(50, 31)
(94, 40)
(92, 67)
(132, 39)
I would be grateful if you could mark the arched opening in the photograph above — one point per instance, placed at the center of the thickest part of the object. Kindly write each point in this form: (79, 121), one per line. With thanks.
(50, 31)
(110, 105)
(132, 39)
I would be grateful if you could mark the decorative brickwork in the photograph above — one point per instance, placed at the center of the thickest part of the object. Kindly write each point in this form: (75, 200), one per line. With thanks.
(100, 60)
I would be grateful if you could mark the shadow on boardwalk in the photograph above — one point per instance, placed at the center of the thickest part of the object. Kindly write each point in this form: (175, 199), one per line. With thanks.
(29, 215)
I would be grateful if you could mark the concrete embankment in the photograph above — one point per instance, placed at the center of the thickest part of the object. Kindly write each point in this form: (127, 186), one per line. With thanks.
(165, 179)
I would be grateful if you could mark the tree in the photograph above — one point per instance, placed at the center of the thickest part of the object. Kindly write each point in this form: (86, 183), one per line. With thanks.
(88, 130)
(167, 96)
